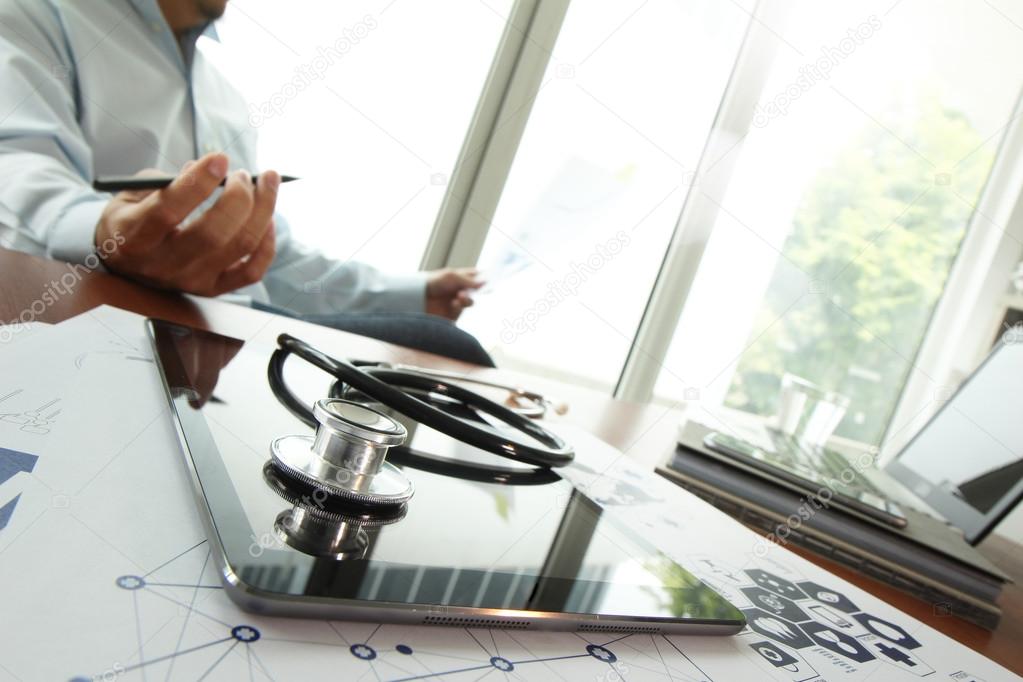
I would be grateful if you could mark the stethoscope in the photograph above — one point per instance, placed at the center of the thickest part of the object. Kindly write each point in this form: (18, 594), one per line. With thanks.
(527, 403)
(346, 460)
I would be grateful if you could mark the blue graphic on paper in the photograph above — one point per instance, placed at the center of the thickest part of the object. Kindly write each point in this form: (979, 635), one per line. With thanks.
(13, 463)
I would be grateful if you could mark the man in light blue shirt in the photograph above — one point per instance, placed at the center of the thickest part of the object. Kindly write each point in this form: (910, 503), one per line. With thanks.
(112, 87)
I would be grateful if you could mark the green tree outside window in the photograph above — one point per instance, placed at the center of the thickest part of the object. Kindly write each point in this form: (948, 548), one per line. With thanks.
(875, 235)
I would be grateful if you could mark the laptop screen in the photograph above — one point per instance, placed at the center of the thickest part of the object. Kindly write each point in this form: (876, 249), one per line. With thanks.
(967, 462)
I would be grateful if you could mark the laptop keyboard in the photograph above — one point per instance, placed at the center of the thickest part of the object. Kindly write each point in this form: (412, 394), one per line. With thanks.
(815, 462)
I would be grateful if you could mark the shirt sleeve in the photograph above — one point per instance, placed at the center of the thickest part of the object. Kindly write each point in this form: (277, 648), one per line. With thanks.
(42, 147)
(307, 282)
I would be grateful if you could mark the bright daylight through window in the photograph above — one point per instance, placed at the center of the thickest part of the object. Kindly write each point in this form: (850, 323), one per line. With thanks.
(873, 139)
(844, 198)
(373, 138)
(598, 182)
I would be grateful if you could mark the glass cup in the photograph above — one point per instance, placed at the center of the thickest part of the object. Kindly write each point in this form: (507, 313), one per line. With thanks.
(807, 412)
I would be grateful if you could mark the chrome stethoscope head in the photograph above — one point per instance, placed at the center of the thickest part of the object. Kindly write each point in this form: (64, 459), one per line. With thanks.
(347, 457)
(321, 525)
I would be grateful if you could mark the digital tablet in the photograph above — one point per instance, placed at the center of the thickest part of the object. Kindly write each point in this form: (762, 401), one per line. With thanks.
(495, 544)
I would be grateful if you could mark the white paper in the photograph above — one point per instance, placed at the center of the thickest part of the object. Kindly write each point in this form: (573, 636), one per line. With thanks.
(19, 331)
(105, 573)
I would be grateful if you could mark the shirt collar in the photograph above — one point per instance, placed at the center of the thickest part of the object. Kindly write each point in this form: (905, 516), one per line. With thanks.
(150, 12)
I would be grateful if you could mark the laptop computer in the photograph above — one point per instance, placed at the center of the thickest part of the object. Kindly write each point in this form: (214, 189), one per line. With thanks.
(951, 485)
(815, 470)
(964, 466)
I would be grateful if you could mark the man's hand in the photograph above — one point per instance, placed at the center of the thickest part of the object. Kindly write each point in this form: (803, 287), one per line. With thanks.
(448, 291)
(229, 246)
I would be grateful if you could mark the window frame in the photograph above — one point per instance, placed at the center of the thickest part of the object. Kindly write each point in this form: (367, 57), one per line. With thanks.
(971, 299)
(702, 204)
(495, 131)
(498, 125)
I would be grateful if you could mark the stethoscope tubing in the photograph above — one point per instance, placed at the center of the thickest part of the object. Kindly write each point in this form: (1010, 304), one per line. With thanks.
(538, 406)
(381, 384)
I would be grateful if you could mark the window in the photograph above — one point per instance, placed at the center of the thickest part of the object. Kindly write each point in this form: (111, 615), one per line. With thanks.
(818, 245)
(598, 181)
(367, 102)
(855, 186)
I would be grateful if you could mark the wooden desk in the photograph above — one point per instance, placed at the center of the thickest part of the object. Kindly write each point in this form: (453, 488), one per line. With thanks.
(644, 432)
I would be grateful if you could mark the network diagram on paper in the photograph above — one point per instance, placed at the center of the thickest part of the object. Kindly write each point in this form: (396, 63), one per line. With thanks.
(172, 619)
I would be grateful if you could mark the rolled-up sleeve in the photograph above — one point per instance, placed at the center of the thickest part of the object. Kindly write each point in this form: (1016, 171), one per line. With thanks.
(44, 157)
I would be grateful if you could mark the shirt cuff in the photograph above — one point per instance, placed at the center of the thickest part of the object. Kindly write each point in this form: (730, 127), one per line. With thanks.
(402, 293)
(73, 237)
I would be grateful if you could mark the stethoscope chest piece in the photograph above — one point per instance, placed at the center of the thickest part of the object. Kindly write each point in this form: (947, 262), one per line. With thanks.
(347, 456)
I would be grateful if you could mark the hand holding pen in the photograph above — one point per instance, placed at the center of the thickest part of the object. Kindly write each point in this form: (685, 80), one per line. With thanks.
(140, 233)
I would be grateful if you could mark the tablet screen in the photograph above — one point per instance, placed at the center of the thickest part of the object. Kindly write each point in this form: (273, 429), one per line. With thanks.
(530, 543)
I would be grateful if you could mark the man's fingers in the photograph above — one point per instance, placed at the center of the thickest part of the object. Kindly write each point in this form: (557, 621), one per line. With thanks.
(251, 270)
(205, 241)
(251, 234)
(172, 204)
(232, 209)
(458, 303)
(454, 279)
(468, 278)
(135, 215)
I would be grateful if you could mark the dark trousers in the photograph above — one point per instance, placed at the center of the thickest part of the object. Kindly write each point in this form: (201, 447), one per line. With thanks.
(412, 330)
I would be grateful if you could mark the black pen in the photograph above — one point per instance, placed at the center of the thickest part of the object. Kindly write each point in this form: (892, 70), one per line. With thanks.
(124, 183)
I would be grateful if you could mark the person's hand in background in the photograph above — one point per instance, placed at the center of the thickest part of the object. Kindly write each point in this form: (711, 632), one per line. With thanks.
(229, 246)
(449, 291)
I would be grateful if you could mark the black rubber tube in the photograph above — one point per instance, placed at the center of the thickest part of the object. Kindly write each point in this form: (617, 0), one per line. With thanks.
(381, 384)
